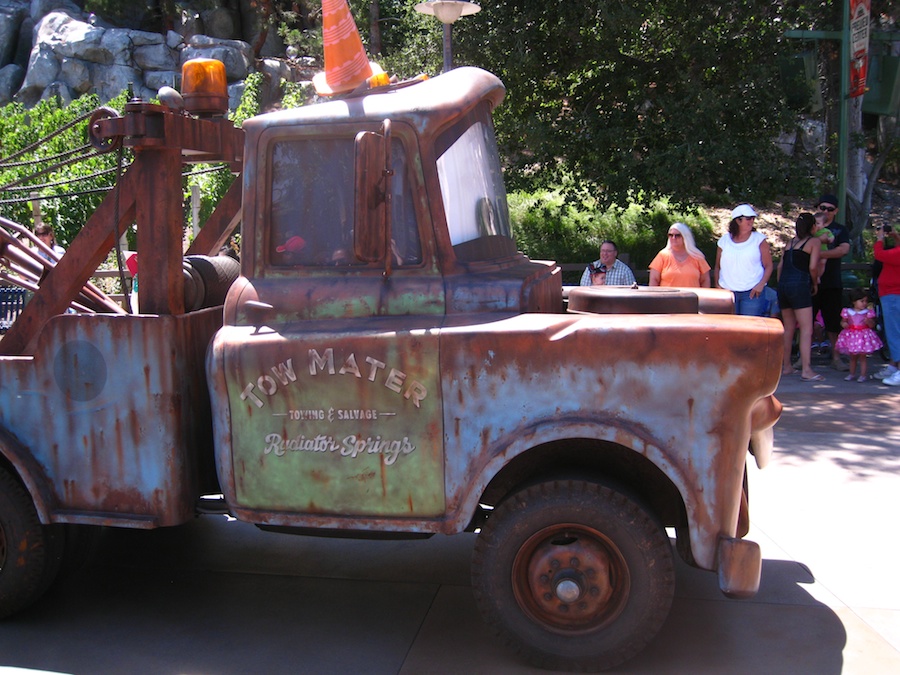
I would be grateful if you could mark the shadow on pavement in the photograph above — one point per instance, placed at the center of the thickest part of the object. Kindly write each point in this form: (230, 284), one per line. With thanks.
(222, 597)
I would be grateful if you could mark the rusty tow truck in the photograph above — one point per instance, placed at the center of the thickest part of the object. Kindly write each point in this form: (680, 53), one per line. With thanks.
(384, 363)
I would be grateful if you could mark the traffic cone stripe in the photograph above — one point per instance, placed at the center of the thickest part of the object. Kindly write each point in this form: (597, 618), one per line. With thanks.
(346, 64)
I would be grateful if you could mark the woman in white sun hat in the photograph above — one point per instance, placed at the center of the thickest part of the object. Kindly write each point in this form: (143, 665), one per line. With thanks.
(744, 263)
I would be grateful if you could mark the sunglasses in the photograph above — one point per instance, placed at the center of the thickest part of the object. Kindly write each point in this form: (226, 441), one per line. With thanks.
(674, 235)
(830, 209)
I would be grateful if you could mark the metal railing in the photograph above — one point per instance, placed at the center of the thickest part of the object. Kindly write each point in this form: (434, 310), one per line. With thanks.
(12, 302)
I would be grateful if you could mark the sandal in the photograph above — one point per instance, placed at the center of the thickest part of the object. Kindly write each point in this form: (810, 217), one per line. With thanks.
(814, 378)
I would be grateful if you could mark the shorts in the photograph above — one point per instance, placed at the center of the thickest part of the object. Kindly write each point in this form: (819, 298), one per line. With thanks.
(795, 294)
(829, 301)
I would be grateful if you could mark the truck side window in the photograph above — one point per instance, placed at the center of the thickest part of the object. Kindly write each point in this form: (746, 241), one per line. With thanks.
(312, 207)
(474, 195)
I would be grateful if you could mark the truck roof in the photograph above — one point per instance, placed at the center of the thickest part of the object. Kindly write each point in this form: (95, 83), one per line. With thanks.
(451, 93)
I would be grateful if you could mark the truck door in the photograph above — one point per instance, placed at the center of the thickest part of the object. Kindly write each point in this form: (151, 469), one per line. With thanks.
(333, 391)
(335, 421)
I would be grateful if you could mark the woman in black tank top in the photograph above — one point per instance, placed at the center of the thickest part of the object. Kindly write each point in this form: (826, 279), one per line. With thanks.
(796, 286)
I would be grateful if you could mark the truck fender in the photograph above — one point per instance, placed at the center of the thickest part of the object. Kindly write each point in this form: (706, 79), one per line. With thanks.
(619, 432)
(523, 440)
(30, 473)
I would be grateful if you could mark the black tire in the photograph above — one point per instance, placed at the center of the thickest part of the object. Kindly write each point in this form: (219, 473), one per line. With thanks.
(586, 540)
(30, 553)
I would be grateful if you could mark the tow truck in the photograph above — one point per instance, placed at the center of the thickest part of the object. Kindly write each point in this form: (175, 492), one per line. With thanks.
(382, 362)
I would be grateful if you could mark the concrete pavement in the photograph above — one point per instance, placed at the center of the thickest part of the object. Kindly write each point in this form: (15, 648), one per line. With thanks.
(222, 597)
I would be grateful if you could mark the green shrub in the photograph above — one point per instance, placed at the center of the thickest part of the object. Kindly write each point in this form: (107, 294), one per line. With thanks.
(548, 227)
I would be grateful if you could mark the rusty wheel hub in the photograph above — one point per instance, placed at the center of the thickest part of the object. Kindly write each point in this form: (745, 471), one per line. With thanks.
(570, 577)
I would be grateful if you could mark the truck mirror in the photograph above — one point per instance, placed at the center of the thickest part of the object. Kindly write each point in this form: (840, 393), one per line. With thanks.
(372, 231)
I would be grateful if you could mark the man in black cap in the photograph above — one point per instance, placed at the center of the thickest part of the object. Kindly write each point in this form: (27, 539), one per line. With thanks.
(830, 298)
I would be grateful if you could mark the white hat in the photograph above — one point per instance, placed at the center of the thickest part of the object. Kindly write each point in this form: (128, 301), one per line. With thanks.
(743, 210)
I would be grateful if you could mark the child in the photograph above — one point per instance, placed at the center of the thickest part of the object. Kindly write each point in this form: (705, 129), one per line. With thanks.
(857, 337)
(824, 235)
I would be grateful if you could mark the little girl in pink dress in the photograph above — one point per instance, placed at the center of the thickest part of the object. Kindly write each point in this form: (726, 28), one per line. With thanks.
(857, 339)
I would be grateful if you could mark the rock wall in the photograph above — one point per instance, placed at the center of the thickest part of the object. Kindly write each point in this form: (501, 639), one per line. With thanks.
(53, 48)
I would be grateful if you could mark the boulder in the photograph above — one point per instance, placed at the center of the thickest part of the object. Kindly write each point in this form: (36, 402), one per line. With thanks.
(11, 77)
(23, 47)
(115, 48)
(110, 81)
(155, 57)
(154, 80)
(174, 40)
(235, 92)
(60, 92)
(64, 36)
(11, 18)
(235, 54)
(143, 38)
(43, 68)
(76, 75)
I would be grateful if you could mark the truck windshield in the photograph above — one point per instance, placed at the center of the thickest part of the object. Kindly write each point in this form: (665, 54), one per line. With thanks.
(312, 204)
(474, 195)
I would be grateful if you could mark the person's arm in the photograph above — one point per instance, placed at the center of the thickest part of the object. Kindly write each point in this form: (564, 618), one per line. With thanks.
(704, 280)
(814, 253)
(654, 277)
(765, 255)
(629, 275)
(838, 251)
(890, 256)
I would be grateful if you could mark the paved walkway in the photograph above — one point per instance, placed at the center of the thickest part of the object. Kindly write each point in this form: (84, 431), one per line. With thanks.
(222, 597)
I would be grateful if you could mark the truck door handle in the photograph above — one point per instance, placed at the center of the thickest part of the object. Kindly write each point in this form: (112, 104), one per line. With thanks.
(257, 312)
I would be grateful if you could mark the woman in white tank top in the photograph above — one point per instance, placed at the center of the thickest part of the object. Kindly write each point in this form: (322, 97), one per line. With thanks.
(744, 263)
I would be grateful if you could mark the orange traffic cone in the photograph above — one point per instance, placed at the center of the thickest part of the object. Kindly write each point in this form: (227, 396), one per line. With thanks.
(346, 64)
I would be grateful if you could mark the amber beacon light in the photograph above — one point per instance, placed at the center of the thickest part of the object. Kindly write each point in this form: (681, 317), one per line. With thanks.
(204, 87)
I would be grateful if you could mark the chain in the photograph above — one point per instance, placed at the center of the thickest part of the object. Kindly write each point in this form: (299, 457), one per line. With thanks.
(65, 127)
(39, 160)
(41, 186)
(58, 195)
(52, 167)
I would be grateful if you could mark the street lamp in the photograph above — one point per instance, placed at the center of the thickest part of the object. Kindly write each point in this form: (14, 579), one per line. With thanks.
(447, 11)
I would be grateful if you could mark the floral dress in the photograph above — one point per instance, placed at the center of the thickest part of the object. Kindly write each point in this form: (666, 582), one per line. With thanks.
(857, 337)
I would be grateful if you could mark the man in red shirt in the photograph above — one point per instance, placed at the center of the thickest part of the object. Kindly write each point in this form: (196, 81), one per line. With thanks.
(889, 292)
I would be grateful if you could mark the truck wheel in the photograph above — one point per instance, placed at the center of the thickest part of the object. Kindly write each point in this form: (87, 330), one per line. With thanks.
(30, 553)
(573, 575)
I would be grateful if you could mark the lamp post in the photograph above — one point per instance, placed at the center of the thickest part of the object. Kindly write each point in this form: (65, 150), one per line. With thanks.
(447, 11)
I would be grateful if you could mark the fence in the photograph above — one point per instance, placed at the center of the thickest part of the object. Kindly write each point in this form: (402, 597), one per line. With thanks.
(12, 302)
(13, 298)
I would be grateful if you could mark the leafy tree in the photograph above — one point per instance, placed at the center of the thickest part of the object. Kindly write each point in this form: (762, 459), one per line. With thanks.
(68, 192)
(637, 99)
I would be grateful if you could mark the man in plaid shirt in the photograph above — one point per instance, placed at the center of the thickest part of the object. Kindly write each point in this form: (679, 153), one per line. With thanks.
(609, 270)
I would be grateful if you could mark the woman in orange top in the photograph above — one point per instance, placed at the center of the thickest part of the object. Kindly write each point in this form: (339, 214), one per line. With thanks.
(680, 263)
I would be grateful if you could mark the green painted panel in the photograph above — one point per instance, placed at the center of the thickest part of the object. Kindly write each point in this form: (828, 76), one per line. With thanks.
(337, 423)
